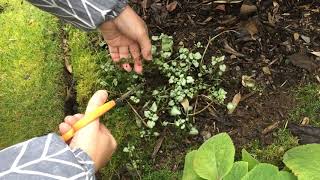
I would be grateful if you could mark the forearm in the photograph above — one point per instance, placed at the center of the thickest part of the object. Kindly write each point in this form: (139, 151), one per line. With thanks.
(84, 14)
(46, 157)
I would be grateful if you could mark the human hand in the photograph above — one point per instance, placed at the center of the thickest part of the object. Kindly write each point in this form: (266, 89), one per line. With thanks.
(95, 139)
(127, 33)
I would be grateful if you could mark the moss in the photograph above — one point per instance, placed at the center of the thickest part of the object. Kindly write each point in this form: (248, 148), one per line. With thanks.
(308, 104)
(31, 94)
(273, 153)
(84, 64)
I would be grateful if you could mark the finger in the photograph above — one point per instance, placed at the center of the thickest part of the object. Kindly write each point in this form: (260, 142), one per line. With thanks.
(98, 99)
(123, 52)
(64, 128)
(127, 67)
(114, 52)
(71, 120)
(135, 52)
(145, 45)
(104, 129)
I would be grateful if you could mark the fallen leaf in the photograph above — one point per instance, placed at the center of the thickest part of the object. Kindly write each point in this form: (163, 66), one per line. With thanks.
(157, 147)
(305, 38)
(248, 9)
(235, 101)
(172, 6)
(251, 27)
(68, 65)
(296, 36)
(301, 60)
(185, 104)
(305, 121)
(66, 57)
(247, 81)
(266, 70)
(316, 53)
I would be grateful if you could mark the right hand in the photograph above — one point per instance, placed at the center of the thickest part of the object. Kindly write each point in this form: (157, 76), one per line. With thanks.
(94, 139)
(127, 33)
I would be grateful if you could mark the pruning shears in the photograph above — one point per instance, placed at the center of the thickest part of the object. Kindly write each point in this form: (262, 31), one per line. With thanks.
(90, 117)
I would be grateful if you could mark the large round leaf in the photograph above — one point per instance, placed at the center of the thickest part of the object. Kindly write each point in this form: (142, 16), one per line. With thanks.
(188, 172)
(304, 161)
(285, 175)
(263, 171)
(252, 162)
(239, 169)
(214, 159)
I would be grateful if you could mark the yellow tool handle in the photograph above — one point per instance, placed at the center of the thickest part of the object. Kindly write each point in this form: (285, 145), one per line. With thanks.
(88, 118)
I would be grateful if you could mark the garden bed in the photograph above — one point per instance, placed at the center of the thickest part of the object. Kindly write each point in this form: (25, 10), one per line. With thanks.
(270, 48)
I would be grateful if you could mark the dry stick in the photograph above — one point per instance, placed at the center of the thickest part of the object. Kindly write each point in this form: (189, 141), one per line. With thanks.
(212, 39)
(137, 114)
(195, 108)
(209, 104)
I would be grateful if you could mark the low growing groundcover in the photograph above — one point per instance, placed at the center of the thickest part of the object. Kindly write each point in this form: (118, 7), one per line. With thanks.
(207, 77)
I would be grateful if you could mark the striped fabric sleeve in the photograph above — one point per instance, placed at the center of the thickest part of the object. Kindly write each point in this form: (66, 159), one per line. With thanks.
(84, 14)
(45, 158)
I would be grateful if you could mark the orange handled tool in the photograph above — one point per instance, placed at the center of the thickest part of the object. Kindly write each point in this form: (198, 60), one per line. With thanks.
(89, 117)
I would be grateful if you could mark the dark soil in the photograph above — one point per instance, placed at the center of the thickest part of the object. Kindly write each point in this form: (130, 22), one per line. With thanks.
(263, 44)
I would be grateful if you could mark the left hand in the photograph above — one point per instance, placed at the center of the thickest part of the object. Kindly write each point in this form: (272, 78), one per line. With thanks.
(125, 35)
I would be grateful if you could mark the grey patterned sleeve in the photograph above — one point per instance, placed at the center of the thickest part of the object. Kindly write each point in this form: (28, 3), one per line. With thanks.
(84, 14)
(45, 158)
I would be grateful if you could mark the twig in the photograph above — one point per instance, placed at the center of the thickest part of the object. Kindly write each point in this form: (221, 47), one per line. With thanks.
(212, 39)
(194, 110)
(137, 114)
(209, 104)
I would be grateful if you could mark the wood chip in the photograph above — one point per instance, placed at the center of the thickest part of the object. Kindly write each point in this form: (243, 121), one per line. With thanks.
(296, 36)
(172, 6)
(270, 128)
(316, 53)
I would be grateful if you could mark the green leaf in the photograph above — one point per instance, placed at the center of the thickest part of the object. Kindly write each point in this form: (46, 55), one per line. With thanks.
(215, 157)
(252, 162)
(239, 169)
(263, 171)
(154, 107)
(304, 161)
(188, 172)
(175, 111)
(285, 175)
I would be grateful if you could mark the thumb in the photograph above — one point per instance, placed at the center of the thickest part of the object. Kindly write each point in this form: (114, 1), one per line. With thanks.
(98, 99)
